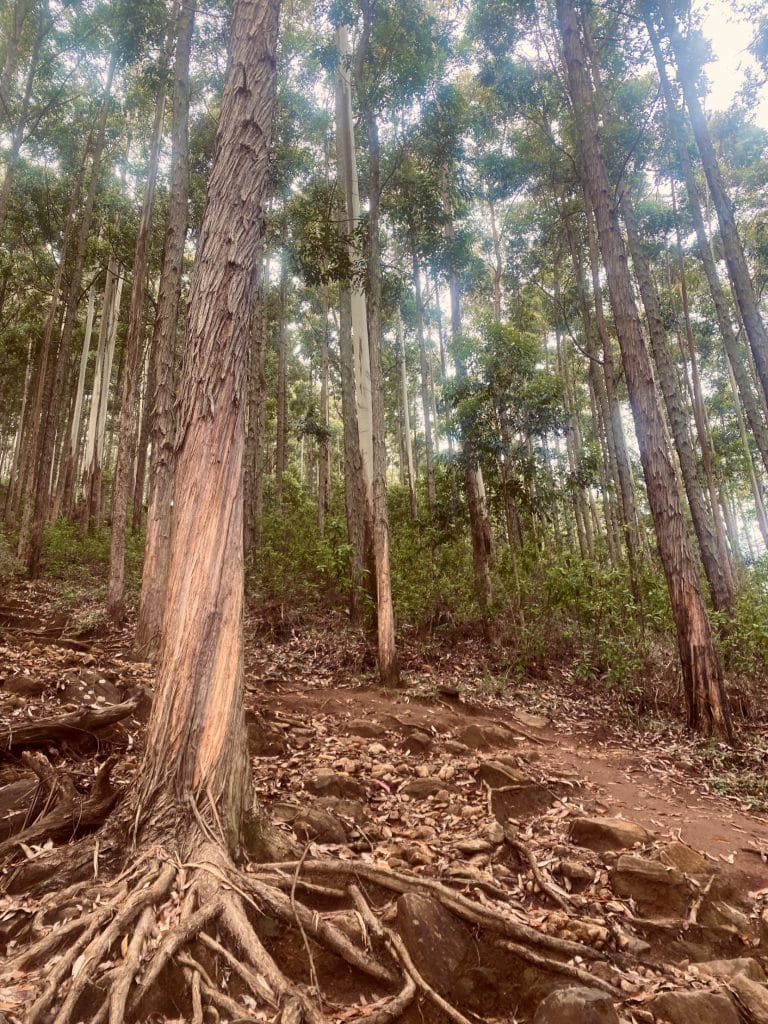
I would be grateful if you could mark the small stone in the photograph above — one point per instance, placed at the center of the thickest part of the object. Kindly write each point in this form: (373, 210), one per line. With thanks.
(417, 742)
(529, 720)
(521, 800)
(327, 783)
(351, 809)
(571, 1005)
(366, 728)
(455, 747)
(686, 859)
(421, 771)
(494, 833)
(376, 749)
(495, 774)
(470, 846)
(601, 834)
(420, 789)
(442, 796)
(724, 970)
(694, 1008)
(575, 871)
(482, 737)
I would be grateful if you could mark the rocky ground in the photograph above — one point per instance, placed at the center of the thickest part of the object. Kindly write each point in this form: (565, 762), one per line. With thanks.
(535, 859)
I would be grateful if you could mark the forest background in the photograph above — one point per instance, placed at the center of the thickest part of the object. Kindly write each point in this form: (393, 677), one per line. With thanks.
(463, 415)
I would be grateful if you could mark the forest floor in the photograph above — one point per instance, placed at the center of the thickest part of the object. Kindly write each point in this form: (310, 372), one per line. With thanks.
(541, 797)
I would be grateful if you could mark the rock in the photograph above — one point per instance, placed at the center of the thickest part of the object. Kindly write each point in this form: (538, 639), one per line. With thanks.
(694, 1008)
(686, 859)
(455, 747)
(263, 741)
(724, 970)
(472, 846)
(658, 891)
(376, 749)
(572, 1005)
(522, 800)
(417, 742)
(87, 687)
(24, 686)
(365, 727)
(420, 789)
(351, 809)
(719, 914)
(601, 834)
(320, 825)
(439, 943)
(450, 692)
(327, 783)
(752, 996)
(529, 720)
(482, 737)
(577, 872)
(495, 774)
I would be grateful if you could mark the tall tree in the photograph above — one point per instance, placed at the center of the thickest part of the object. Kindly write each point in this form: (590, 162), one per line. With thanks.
(701, 672)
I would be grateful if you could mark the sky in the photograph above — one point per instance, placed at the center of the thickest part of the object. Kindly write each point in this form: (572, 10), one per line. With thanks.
(730, 37)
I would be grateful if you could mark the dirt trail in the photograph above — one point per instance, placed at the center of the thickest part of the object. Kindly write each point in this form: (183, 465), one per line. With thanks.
(618, 781)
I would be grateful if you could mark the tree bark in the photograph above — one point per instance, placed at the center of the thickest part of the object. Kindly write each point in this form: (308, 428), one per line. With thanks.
(702, 677)
(734, 352)
(196, 752)
(406, 417)
(254, 437)
(426, 405)
(733, 250)
(718, 575)
(157, 547)
(324, 441)
(281, 447)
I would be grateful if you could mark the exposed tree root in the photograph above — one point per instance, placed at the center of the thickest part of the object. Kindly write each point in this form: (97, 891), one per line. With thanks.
(72, 726)
(175, 937)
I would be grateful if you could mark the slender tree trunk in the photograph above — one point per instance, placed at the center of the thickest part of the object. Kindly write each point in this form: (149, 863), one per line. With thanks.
(389, 672)
(34, 543)
(406, 417)
(157, 547)
(718, 575)
(142, 444)
(281, 447)
(255, 433)
(71, 458)
(498, 264)
(733, 249)
(196, 751)
(126, 445)
(426, 405)
(746, 394)
(324, 442)
(702, 678)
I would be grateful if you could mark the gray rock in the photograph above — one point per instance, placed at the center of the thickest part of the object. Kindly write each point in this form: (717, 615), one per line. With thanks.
(658, 891)
(601, 834)
(439, 943)
(752, 996)
(694, 1008)
(724, 970)
(576, 1005)
(417, 742)
(521, 800)
(328, 783)
(496, 774)
(455, 747)
(352, 809)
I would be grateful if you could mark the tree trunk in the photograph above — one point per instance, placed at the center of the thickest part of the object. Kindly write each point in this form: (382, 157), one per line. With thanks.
(389, 673)
(718, 575)
(426, 405)
(73, 449)
(196, 752)
(733, 250)
(324, 441)
(406, 417)
(254, 437)
(156, 551)
(142, 443)
(702, 678)
(733, 349)
(281, 447)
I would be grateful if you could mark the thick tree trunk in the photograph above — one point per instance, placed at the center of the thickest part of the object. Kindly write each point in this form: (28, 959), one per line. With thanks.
(718, 575)
(126, 444)
(196, 752)
(733, 250)
(702, 678)
(157, 547)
